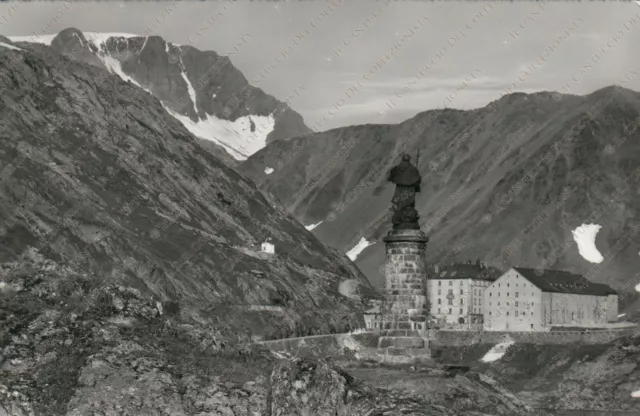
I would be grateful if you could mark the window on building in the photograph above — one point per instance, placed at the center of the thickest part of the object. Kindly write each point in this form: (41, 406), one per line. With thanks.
(498, 284)
(461, 301)
(461, 291)
(450, 282)
(507, 313)
(507, 294)
(439, 282)
(489, 313)
(507, 284)
(450, 301)
(439, 292)
(516, 304)
(516, 294)
(531, 326)
(489, 293)
(572, 315)
(449, 311)
(498, 303)
(516, 313)
(531, 313)
(439, 301)
(507, 303)
(460, 311)
(438, 310)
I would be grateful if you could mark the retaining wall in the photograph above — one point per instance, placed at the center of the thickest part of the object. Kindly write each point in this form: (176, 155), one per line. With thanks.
(319, 345)
(335, 343)
(460, 338)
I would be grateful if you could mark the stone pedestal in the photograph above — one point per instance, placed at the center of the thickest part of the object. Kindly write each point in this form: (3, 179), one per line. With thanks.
(404, 337)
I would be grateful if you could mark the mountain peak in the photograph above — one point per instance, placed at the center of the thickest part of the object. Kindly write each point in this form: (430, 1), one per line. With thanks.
(202, 89)
(612, 90)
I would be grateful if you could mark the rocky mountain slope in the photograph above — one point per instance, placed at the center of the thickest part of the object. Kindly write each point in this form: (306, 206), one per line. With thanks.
(202, 89)
(74, 344)
(95, 172)
(507, 183)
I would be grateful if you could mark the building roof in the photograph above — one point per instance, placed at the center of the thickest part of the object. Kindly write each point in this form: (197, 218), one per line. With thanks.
(464, 271)
(558, 281)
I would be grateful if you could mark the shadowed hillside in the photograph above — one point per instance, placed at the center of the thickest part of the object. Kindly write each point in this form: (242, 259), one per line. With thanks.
(97, 173)
(507, 183)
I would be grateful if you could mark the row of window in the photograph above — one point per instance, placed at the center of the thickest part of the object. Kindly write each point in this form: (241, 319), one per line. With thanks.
(516, 304)
(517, 294)
(475, 311)
(476, 292)
(450, 311)
(516, 313)
(462, 280)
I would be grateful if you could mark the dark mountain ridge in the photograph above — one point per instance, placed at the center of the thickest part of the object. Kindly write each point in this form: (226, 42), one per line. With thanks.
(506, 183)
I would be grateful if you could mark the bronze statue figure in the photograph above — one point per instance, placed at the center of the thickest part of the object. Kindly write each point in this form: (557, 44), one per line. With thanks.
(407, 179)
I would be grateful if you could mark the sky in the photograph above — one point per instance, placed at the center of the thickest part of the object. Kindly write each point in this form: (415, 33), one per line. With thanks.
(345, 62)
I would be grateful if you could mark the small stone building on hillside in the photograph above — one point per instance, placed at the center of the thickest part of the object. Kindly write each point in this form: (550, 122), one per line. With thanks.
(455, 295)
(524, 299)
(267, 247)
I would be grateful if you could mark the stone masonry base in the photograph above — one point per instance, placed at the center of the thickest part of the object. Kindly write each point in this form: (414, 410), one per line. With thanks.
(404, 316)
(399, 350)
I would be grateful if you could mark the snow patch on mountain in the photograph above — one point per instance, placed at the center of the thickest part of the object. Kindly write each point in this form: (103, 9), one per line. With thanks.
(192, 91)
(79, 38)
(312, 226)
(43, 39)
(114, 66)
(235, 136)
(6, 45)
(269, 171)
(497, 352)
(144, 44)
(585, 237)
(359, 248)
(99, 38)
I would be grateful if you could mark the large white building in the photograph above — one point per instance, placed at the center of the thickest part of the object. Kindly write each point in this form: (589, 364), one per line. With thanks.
(524, 299)
(455, 294)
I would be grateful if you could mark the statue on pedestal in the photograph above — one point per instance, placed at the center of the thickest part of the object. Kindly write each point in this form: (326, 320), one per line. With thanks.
(407, 179)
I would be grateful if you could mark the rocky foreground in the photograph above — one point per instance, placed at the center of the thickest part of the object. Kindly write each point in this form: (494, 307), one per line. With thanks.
(601, 377)
(73, 344)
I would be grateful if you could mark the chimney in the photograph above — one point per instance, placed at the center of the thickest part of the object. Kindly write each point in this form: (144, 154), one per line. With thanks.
(436, 269)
